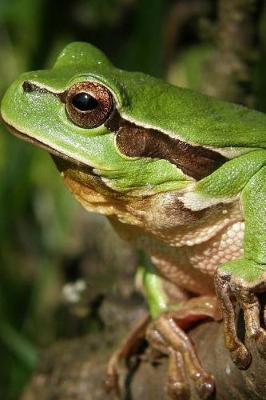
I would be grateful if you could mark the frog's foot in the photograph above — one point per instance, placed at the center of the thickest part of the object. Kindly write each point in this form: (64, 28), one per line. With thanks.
(165, 335)
(241, 282)
(127, 348)
(184, 367)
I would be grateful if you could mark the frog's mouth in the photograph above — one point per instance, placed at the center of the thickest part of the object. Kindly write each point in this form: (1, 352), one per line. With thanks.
(69, 167)
(46, 147)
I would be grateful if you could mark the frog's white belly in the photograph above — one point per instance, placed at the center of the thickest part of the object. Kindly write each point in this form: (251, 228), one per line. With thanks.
(192, 267)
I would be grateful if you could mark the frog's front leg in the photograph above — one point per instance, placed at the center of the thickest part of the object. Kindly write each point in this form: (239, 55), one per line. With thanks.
(241, 281)
(166, 334)
(184, 368)
(231, 288)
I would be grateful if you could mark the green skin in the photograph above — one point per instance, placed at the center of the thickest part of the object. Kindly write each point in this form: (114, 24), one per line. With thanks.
(231, 130)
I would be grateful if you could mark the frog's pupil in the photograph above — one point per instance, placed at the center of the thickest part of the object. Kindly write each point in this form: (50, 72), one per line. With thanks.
(84, 102)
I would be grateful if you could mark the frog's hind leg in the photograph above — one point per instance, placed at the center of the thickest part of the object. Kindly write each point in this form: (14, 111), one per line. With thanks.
(126, 349)
(166, 335)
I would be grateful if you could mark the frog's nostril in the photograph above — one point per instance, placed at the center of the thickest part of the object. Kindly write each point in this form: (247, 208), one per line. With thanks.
(28, 87)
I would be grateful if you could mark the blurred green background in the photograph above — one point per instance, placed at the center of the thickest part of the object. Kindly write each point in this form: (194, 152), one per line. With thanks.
(42, 229)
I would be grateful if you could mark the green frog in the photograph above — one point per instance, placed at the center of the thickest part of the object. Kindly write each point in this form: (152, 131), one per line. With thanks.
(180, 175)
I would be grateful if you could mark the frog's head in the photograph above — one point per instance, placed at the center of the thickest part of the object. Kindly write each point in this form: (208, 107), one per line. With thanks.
(88, 112)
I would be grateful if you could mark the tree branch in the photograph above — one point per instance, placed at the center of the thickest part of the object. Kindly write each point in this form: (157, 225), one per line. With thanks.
(75, 370)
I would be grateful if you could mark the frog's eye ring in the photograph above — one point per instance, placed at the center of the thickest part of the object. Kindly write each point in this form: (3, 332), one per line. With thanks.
(88, 104)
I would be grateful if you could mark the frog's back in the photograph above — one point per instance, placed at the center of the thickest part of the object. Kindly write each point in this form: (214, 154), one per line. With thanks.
(193, 117)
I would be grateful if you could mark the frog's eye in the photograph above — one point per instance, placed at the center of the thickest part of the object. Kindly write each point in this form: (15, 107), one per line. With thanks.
(88, 104)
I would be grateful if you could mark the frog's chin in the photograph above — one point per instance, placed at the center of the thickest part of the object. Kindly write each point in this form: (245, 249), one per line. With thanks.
(44, 146)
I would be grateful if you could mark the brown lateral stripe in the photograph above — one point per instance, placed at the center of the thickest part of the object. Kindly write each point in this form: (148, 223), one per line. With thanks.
(135, 141)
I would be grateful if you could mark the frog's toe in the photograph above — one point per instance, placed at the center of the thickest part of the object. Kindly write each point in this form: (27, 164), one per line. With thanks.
(177, 383)
(112, 382)
(185, 371)
(240, 356)
(205, 386)
(180, 370)
(239, 353)
(261, 342)
(230, 290)
(250, 304)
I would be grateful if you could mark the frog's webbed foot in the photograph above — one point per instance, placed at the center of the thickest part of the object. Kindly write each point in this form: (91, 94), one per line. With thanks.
(184, 368)
(237, 289)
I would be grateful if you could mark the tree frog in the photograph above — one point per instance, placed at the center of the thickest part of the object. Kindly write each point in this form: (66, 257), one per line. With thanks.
(179, 174)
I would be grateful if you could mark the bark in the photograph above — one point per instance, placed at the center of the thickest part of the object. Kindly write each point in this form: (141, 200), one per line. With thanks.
(75, 369)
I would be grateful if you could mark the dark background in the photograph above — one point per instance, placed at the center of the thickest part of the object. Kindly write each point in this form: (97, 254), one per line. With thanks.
(47, 240)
